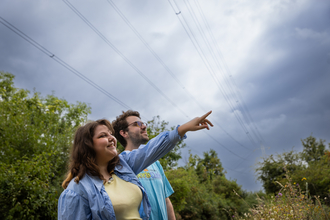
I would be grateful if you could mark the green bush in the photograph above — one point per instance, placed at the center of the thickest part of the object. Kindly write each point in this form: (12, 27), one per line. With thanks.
(35, 137)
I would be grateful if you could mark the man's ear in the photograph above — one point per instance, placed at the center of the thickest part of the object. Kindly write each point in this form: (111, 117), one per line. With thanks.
(123, 133)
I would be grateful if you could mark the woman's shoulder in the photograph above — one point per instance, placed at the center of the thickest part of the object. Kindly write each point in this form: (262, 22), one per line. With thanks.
(84, 186)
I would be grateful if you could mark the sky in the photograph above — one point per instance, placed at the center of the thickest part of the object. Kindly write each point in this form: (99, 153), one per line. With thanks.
(262, 67)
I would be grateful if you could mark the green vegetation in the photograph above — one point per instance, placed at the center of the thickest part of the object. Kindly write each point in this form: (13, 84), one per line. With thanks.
(36, 135)
(291, 202)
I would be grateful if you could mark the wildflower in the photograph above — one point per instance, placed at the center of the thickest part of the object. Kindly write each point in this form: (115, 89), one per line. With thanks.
(294, 183)
(303, 179)
(280, 194)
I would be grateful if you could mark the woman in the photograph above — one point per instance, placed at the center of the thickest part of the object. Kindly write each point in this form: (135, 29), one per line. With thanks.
(95, 165)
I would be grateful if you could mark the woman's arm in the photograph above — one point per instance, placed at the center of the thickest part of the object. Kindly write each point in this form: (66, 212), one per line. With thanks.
(71, 206)
(159, 146)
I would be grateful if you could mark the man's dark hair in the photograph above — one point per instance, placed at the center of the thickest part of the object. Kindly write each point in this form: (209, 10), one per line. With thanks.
(121, 124)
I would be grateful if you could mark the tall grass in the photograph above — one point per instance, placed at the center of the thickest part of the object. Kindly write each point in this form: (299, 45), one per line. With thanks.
(291, 202)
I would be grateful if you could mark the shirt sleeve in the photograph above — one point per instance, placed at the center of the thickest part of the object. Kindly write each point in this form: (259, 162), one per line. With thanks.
(145, 155)
(72, 206)
(167, 186)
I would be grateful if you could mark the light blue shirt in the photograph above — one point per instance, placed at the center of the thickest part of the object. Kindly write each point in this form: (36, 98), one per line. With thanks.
(89, 200)
(158, 188)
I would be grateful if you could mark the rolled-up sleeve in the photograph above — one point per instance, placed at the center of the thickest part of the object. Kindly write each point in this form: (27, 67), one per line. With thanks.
(156, 148)
(72, 206)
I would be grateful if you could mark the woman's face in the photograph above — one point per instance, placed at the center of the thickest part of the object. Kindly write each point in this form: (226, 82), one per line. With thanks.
(104, 144)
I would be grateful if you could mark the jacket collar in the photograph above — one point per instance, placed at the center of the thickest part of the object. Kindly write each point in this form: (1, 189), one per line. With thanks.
(121, 169)
(96, 181)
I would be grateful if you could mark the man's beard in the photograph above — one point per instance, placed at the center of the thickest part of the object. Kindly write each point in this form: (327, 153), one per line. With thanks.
(137, 139)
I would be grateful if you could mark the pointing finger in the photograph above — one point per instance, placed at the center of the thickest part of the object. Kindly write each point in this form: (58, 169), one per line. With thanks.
(207, 114)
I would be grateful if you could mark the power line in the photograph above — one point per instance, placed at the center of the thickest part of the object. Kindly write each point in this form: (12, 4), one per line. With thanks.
(223, 90)
(67, 66)
(165, 66)
(74, 71)
(61, 62)
(130, 63)
(231, 80)
(122, 55)
(208, 65)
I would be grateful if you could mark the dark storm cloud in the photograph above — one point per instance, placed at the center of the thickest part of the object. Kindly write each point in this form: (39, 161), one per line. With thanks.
(296, 83)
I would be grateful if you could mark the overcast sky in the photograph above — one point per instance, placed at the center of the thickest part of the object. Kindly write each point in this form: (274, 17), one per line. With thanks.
(264, 68)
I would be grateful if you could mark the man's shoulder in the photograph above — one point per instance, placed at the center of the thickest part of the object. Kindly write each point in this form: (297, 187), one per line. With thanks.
(151, 166)
(153, 171)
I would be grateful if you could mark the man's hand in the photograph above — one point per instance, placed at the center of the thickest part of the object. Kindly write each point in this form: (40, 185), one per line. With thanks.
(195, 124)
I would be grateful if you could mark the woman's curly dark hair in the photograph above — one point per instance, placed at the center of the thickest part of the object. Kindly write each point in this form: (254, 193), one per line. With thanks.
(82, 157)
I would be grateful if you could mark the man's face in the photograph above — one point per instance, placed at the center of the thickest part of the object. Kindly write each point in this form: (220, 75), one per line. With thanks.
(138, 135)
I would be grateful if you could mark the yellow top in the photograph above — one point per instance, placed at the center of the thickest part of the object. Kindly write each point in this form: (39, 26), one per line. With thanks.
(125, 197)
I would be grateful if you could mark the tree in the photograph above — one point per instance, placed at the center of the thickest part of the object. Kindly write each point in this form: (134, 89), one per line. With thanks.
(271, 169)
(201, 190)
(35, 138)
(312, 165)
(313, 149)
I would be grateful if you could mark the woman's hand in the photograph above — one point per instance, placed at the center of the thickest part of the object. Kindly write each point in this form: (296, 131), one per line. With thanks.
(195, 124)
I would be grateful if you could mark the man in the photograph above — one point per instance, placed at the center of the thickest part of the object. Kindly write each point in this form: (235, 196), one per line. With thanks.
(131, 132)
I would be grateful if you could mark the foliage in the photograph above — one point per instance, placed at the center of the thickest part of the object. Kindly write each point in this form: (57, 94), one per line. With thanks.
(207, 167)
(291, 202)
(35, 136)
(316, 175)
(271, 169)
(28, 188)
(312, 163)
(313, 149)
(201, 190)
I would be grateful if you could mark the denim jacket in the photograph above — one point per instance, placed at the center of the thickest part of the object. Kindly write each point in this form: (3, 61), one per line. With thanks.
(89, 200)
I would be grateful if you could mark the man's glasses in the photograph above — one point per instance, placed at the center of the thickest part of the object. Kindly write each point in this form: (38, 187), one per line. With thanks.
(138, 123)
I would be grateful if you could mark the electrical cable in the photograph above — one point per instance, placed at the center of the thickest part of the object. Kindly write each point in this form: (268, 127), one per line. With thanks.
(61, 62)
(211, 72)
(122, 55)
(229, 75)
(135, 68)
(166, 67)
(207, 43)
(67, 66)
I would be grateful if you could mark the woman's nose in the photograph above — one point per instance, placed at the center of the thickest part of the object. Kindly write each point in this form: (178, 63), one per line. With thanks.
(111, 137)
